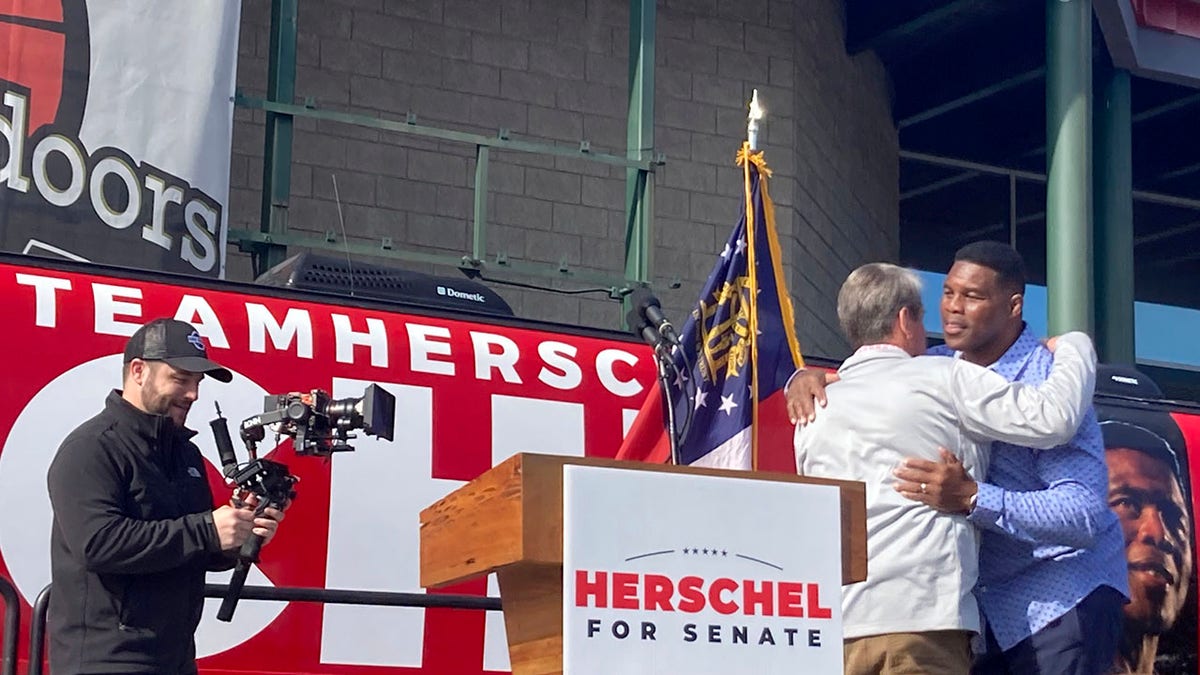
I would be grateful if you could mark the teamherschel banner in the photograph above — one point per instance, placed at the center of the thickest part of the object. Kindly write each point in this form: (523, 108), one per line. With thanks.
(116, 120)
(469, 394)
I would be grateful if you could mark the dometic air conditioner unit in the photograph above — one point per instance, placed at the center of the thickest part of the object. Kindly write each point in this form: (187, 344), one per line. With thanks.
(309, 272)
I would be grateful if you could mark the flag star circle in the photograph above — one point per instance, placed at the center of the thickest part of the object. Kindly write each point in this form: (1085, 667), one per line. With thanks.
(741, 246)
(701, 399)
(726, 251)
(727, 404)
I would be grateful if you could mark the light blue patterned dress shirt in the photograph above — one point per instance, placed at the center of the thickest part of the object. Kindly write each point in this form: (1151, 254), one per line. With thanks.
(1048, 536)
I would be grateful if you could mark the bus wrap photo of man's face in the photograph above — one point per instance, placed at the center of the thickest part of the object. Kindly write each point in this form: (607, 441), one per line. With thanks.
(1146, 493)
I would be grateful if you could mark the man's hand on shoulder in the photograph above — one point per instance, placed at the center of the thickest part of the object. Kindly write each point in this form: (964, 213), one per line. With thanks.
(945, 485)
(804, 392)
(1076, 338)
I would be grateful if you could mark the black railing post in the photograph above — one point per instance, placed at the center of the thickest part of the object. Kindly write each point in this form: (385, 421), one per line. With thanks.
(12, 627)
(37, 632)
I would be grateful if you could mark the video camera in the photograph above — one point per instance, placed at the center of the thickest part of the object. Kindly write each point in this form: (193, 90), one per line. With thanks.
(318, 426)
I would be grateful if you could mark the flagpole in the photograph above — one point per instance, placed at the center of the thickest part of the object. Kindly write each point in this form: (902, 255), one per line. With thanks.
(756, 113)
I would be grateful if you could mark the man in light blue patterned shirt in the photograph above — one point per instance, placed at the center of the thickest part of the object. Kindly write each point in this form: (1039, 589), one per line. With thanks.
(1053, 575)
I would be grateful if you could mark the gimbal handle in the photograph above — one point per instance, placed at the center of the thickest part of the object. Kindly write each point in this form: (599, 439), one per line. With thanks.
(246, 555)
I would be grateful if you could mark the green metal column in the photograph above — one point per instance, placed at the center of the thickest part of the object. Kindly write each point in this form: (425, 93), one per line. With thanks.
(1114, 218)
(277, 154)
(1069, 164)
(639, 185)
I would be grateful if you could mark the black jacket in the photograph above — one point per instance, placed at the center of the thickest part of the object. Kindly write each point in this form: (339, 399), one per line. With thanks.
(132, 538)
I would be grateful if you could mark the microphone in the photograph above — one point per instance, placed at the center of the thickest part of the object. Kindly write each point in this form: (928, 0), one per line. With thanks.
(640, 328)
(647, 308)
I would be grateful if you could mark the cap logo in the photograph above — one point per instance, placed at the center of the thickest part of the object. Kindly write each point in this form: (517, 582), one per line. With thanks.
(195, 340)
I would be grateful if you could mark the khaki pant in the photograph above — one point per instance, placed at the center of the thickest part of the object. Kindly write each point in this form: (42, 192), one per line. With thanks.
(939, 652)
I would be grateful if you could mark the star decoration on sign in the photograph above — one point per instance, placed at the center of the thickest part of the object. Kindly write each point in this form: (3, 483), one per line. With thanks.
(706, 551)
(727, 404)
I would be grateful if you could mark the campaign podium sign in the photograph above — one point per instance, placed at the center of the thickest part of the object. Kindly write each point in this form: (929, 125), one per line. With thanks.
(607, 566)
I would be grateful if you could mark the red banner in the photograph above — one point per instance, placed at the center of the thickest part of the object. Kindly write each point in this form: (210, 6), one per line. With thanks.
(469, 394)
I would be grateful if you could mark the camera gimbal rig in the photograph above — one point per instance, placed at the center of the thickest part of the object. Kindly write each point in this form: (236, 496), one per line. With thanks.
(319, 426)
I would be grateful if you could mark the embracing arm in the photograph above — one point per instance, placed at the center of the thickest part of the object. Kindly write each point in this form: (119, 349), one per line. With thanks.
(990, 407)
(1066, 512)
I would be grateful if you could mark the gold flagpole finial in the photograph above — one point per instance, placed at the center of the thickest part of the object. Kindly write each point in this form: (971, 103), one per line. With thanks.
(757, 112)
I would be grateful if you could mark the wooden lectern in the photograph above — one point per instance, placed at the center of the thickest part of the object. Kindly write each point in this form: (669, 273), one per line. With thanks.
(509, 521)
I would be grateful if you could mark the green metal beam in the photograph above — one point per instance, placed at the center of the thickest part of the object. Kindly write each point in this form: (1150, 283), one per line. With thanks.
(253, 239)
(639, 186)
(1033, 176)
(1114, 219)
(479, 233)
(1069, 165)
(1175, 173)
(977, 95)
(277, 152)
(497, 142)
(890, 36)
(1172, 106)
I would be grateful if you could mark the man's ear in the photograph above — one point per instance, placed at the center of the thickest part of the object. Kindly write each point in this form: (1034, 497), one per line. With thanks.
(139, 370)
(905, 321)
(1016, 305)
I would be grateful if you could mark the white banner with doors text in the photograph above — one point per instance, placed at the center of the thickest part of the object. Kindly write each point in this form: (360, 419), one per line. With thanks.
(116, 121)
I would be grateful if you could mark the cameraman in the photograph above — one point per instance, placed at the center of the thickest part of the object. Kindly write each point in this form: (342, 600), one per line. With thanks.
(134, 526)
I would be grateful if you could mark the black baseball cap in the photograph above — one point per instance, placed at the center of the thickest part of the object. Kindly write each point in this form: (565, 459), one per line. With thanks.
(1123, 380)
(1122, 434)
(176, 343)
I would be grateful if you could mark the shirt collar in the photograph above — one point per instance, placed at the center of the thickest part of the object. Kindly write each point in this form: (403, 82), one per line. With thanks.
(1013, 360)
(875, 352)
(153, 428)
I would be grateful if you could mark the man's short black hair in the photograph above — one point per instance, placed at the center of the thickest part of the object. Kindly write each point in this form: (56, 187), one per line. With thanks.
(999, 257)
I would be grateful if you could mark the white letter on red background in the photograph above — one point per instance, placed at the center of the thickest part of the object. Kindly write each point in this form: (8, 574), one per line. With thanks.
(44, 288)
(297, 325)
(108, 307)
(347, 339)
(421, 346)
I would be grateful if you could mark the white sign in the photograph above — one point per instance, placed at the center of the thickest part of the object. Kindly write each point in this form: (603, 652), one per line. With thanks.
(673, 573)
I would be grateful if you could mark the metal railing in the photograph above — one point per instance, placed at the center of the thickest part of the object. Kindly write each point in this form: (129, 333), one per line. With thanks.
(37, 629)
(37, 632)
(269, 243)
(12, 627)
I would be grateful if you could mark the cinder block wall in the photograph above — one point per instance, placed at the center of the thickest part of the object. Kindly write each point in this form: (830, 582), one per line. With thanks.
(555, 71)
